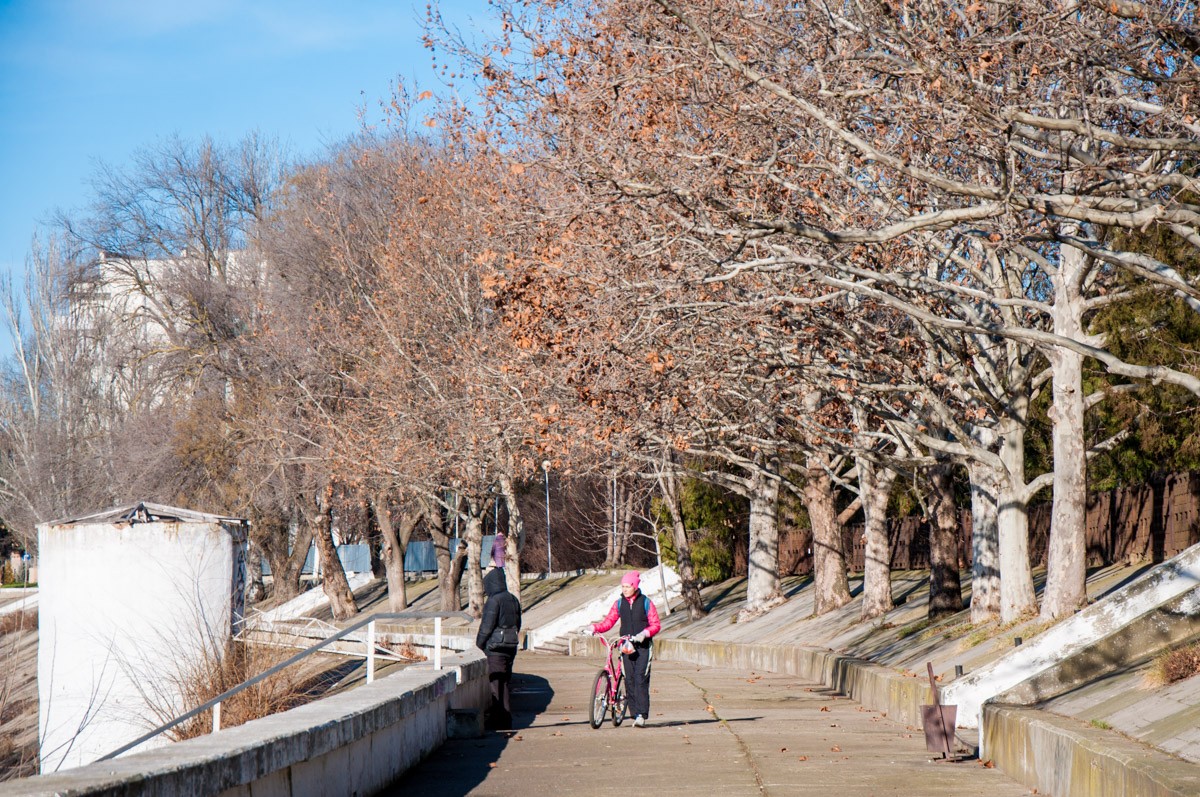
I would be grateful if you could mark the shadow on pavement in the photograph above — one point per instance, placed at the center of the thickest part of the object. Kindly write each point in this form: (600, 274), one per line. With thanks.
(459, 765)
(530, 696)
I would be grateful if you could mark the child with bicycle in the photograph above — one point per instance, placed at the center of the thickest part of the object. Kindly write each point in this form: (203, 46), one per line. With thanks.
(639, 621)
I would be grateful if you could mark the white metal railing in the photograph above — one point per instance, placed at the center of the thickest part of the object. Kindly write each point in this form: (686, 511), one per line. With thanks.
(369, 653)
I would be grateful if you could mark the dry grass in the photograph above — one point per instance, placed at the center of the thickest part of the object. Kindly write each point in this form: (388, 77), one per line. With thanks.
(407, 652)
(237, 664)
(1175, 665)
(18, 695)
(18, 621)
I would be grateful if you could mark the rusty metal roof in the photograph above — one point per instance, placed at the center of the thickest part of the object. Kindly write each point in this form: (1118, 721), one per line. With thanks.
(146, 512)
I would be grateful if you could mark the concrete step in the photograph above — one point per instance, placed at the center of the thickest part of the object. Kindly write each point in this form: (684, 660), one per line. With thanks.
(557, 645)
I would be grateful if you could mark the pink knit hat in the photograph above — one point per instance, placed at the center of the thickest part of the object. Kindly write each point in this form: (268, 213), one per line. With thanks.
(632, 578)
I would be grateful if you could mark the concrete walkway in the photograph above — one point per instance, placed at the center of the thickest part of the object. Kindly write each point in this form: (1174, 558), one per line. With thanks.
(711, 732)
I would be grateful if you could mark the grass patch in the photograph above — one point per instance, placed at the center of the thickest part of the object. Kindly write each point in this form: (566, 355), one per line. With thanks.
(980, 634)
(957, 631)
(913, 628)
(1028, 632)
(1177, 664)
(1101, 724)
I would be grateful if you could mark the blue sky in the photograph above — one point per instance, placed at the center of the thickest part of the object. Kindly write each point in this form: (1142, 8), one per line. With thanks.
(85, 81)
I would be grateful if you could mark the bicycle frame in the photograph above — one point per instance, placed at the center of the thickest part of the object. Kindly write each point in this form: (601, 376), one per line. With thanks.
(608, 691)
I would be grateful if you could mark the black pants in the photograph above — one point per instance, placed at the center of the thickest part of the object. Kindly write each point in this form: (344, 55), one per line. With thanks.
(500, 667)
(637, 681)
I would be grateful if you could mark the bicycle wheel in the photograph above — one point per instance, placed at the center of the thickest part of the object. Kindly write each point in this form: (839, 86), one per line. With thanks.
(599, 706)
(619, 704)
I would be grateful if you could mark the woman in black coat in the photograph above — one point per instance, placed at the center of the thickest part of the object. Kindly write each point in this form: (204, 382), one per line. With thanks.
(499, 632)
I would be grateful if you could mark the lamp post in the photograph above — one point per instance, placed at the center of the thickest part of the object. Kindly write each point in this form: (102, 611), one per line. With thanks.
(546, 473)
(614, 508)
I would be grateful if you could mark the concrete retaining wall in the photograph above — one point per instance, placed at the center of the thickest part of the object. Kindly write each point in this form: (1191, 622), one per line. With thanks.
(1166, 582)
(353, 743)
(1067, 758)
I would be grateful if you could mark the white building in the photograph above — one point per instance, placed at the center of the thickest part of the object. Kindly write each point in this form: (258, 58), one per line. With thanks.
(133, 602)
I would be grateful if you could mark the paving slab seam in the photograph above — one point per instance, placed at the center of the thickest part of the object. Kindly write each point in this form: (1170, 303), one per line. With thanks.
(741, 743)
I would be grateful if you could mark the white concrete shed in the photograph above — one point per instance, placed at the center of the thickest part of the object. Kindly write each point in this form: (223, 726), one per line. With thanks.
(132, 600)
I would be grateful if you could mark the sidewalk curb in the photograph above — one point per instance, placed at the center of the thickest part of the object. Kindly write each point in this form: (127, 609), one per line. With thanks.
(1064, 757)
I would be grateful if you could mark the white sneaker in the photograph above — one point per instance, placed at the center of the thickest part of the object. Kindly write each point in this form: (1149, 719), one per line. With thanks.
(639, 721)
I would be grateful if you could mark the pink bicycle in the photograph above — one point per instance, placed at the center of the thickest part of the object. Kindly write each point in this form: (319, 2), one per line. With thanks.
(608, 693)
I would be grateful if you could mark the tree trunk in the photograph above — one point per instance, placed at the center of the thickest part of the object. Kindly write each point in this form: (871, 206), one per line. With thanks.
(451, 588)
(395, 545)
(831, 587)
(985, 542)
(945, 587)
(627, 518)
(288, 568)
(1017, 596)
(256, 590)
(1066, 561)
(337, 589)
(448, 572)
(474, 538)
(620, 529)
(515, 539)
(762, 561)
(690, 589)
(610, 544)
(875, 484)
